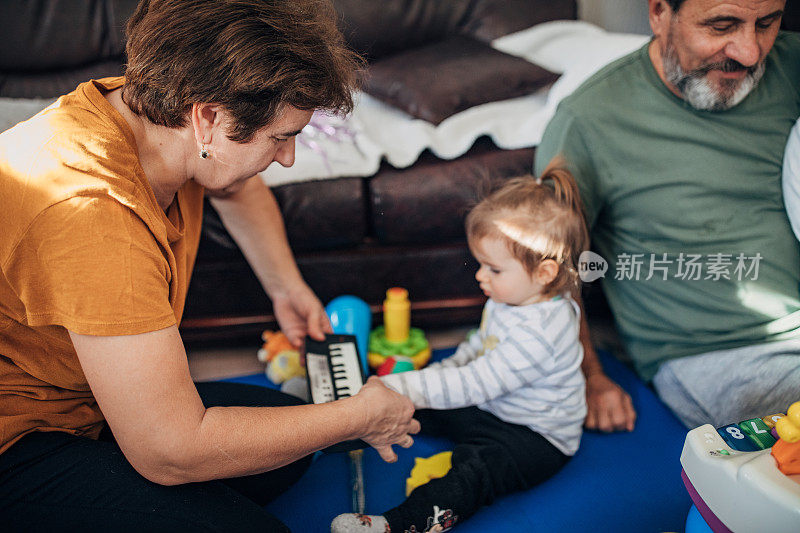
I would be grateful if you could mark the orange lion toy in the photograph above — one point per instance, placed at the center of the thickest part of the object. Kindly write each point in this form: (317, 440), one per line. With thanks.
(275, 342)
(787, 450)
(283, 360)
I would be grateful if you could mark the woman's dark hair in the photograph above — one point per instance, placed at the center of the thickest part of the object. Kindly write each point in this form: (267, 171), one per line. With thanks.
(253, 57)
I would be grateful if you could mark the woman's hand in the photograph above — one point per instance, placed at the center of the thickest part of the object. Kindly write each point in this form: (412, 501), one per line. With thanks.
(609, 407)
(300, 313)
(253, 218)
(388, 418)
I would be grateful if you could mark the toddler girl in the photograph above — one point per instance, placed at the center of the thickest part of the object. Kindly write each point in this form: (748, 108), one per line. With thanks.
(512, 395)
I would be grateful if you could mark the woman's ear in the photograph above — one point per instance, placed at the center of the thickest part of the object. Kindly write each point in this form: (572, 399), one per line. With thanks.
(206, 121)
(546, 272)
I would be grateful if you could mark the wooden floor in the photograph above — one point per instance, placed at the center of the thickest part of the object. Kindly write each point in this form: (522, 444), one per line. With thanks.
(218, 363)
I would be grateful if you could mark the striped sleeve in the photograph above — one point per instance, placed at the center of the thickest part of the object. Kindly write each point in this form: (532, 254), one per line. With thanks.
(466, 351)
(520, 360)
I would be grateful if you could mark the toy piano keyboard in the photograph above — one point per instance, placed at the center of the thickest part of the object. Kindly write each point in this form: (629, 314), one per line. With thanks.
(734, 481)
(334, 368)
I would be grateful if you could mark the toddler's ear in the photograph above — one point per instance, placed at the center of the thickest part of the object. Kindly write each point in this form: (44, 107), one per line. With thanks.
(546, 272)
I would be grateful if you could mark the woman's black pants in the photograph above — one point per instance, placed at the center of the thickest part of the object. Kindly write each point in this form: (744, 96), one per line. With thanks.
(55, 481)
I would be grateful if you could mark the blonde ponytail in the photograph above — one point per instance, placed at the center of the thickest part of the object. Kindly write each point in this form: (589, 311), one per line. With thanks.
(565, 188)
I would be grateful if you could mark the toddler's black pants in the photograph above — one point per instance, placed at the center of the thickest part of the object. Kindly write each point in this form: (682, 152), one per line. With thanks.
(491, 458)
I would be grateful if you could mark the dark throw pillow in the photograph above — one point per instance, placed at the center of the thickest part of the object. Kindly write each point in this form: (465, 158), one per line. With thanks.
(439, 80)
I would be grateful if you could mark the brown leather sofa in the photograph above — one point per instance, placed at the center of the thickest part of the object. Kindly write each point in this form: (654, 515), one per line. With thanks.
(351, 235)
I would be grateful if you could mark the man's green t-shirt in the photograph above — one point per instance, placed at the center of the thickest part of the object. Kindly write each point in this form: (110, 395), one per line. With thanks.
(659, 177)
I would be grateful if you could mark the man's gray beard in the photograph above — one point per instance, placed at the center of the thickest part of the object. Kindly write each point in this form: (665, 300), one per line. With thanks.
(697, 89)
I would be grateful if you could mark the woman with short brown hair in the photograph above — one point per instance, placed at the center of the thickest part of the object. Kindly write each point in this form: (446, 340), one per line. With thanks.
(101, 426)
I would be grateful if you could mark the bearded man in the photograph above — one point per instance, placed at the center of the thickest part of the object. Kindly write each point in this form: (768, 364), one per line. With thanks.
(677, 149)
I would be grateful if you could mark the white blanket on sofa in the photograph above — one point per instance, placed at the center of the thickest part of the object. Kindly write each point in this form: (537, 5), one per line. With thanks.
(356, 145)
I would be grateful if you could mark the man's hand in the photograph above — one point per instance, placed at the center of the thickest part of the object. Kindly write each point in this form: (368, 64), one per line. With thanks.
(300, 313)
(609, 407)
(389, 418)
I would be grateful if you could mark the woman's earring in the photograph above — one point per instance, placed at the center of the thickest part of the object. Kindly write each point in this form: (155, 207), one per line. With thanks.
(203, 151)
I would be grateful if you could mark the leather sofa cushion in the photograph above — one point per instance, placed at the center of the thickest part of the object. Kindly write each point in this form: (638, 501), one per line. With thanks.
(491, 19)
(50, 46)
(438, 80)
(325, 214)
(318, 215)
(60, 34)
(427, 203)
(381, 28)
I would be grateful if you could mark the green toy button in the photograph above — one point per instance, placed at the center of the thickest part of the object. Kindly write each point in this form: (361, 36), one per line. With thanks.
(758, 432)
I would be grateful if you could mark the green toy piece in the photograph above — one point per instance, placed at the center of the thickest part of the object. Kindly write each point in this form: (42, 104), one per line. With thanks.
(379, 344)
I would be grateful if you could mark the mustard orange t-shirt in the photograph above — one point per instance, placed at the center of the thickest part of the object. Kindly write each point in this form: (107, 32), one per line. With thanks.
(84, 246)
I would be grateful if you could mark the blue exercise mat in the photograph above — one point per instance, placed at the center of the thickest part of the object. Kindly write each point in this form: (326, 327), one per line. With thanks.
(621, 482)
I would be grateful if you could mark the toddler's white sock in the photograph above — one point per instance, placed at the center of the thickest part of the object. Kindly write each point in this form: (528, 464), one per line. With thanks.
(359, 523)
